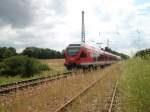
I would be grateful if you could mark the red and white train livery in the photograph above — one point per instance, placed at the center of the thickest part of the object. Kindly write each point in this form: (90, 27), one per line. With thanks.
(85, 56)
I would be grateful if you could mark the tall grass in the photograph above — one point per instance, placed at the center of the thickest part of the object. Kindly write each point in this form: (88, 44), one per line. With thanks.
(135, 85)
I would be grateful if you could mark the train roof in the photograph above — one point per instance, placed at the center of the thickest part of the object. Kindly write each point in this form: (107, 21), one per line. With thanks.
(98, 50)
(73, 45)
(108, 53)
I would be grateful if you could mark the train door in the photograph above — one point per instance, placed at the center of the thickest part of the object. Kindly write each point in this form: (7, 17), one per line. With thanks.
(83, 56)
(95, 57)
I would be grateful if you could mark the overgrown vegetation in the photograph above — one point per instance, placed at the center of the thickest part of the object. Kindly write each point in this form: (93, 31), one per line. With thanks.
(21, 65)
(135, 85)
(123, 56)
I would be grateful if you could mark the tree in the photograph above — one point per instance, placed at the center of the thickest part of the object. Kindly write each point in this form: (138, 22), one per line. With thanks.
(7, 52)
(13, 50)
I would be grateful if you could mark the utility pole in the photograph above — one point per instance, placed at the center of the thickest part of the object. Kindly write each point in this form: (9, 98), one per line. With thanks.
(138, 40)
(108, 41)
(138, 31)
(83, 29)
(99, 45)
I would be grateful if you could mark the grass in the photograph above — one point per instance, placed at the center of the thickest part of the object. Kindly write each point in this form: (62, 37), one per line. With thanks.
(135, 85)
(55, 65)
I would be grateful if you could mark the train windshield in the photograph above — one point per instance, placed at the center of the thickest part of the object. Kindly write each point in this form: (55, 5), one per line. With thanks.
(73, 51)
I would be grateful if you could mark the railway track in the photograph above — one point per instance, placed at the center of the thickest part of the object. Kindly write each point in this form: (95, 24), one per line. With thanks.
(63, 107)
(98, 87)
(12, 87)
(113, 97)
(109, 104)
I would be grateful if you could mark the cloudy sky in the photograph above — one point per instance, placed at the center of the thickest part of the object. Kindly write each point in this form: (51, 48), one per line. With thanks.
(56, 23)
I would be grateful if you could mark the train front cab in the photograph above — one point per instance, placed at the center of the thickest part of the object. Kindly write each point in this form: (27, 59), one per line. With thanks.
(75, 55)
(72, 56)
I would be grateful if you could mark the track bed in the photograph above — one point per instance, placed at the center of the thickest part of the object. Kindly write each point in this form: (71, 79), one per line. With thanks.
(100, 97)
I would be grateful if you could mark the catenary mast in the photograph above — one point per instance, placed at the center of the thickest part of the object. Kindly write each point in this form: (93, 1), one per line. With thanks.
(83, 29)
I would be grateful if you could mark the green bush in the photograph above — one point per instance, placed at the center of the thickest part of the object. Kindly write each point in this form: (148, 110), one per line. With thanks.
(21, 65)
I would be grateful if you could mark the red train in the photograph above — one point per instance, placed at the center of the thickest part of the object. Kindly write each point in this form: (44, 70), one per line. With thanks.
(85, 56)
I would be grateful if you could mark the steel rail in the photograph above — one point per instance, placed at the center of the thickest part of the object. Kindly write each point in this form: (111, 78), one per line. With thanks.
(75, 97)
(113, 97)
(5, 89)
(62, 107)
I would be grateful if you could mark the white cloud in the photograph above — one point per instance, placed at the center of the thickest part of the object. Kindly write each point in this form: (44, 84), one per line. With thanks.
(58, 23)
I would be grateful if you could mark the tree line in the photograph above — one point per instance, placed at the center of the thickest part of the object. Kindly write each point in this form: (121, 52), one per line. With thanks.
(143, 53)
(40, 53)
(122, 55)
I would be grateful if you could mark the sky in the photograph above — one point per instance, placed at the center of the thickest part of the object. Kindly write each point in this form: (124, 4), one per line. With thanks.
(56, 23)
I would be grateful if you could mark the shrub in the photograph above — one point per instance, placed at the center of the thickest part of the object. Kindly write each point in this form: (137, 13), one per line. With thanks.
(21, 65)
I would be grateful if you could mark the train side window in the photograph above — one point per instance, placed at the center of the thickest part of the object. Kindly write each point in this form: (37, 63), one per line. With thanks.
(83, 55)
